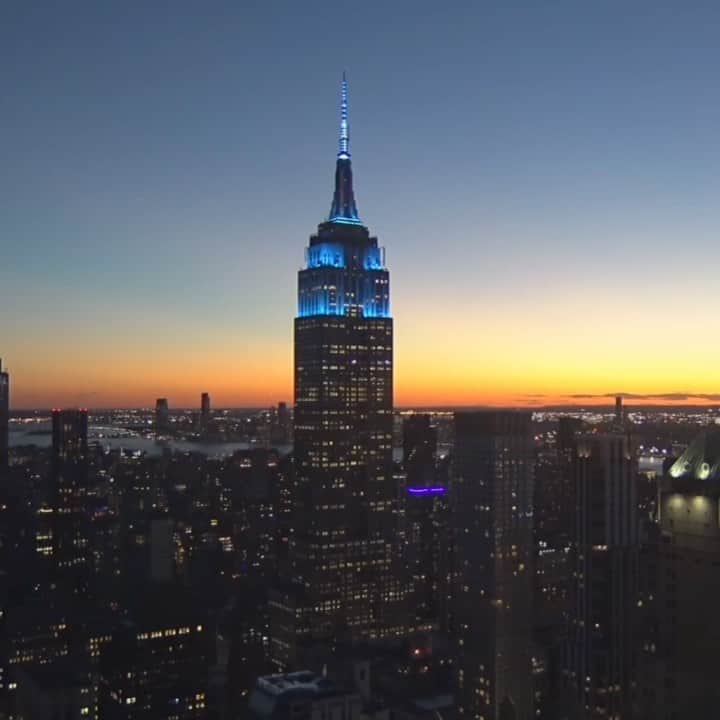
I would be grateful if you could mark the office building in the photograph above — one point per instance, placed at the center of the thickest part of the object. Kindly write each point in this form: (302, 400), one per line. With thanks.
(70, 435)
(683, 629)
(492, 518)
(205, 408)
(419, 448)
(162, 415)
(424, 517)
(284, 423)
(69, 495)
(619, 411)
(156, 668)
(427, 539)
(554, 533)
(604, 593)
(341, 552)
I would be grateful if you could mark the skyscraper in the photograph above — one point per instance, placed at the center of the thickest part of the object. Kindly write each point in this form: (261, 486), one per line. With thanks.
(341, 549)
(684, 591)
(69, 434)
(162, 414)
(492, 516)
(419, 447)
(604, 592)
(205, 406)
(204, 411)
(619, 411)
(70, 493)
(4, 416)
(283, 422)
(423, 511)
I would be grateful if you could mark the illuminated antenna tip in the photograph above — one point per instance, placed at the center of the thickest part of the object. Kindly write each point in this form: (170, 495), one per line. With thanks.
(344, 142)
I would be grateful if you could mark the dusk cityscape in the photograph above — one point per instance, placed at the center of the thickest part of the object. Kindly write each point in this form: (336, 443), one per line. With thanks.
(356, 361)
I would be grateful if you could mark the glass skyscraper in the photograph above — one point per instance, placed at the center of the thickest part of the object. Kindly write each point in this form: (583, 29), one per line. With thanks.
(343, 579)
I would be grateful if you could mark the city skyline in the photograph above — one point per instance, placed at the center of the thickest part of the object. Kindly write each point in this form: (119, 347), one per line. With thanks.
(560, 201)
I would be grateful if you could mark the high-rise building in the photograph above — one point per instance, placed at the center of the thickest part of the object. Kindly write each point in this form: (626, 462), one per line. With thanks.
(69, 493)
(280, 425)
(162, 414)
(684, 588)
(554, 520)
(492, 518)
(341, 550)
(284, 422)
(156, 664)
(423, 512)
(4, 417)
(70, 434)
(205, 408)
(426, 538)
(619, 412)
(419, 448)
(604, 592)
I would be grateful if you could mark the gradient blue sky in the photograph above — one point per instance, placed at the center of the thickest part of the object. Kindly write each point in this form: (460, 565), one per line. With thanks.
(539, 172)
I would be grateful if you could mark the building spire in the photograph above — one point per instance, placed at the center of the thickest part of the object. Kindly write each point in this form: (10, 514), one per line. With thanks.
(344, 143)
(343, 209)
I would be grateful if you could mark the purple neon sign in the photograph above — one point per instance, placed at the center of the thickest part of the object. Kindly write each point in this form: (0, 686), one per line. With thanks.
(435, 490)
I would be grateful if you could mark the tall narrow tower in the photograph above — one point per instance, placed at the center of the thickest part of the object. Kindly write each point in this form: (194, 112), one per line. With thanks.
(604, 612)
(69, 483)
(4, 417)
(492, 518)
(341, 547)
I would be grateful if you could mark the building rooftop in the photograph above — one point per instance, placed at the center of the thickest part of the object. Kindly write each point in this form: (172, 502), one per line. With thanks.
(273, 692)
(701, 460)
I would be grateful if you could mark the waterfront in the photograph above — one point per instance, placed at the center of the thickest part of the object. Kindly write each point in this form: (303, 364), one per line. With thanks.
(41, 437)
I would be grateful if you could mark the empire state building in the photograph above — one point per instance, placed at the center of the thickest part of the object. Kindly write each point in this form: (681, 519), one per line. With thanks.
(344, 580)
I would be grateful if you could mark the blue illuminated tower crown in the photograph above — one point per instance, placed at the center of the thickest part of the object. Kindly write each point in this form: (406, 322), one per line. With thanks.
(345, 270)
(343, 208)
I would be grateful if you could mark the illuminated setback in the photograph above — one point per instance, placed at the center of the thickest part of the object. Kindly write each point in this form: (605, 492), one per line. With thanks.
(345, 269)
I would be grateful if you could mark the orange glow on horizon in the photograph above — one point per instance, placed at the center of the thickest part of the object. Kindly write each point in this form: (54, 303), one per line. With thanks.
(265, 383)
(529, 352)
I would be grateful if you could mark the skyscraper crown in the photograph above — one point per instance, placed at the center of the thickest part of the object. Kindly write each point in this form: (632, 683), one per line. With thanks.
(343, 208)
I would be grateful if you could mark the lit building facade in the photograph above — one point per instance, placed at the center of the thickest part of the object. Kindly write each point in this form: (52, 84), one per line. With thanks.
(155, 671)
(69, 494)
(341, 548)
(492, 518)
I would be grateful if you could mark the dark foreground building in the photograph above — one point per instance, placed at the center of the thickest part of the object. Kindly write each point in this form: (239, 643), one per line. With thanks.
(342, 579)
(69, 495)
(604, 612)
(162, 414)
(680, 651)
(492, 491)
(4, 417)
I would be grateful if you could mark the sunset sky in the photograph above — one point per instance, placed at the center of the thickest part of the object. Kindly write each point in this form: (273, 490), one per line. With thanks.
(544, 176)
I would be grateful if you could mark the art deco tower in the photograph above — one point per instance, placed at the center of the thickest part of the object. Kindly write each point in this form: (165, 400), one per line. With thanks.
(341, 547)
